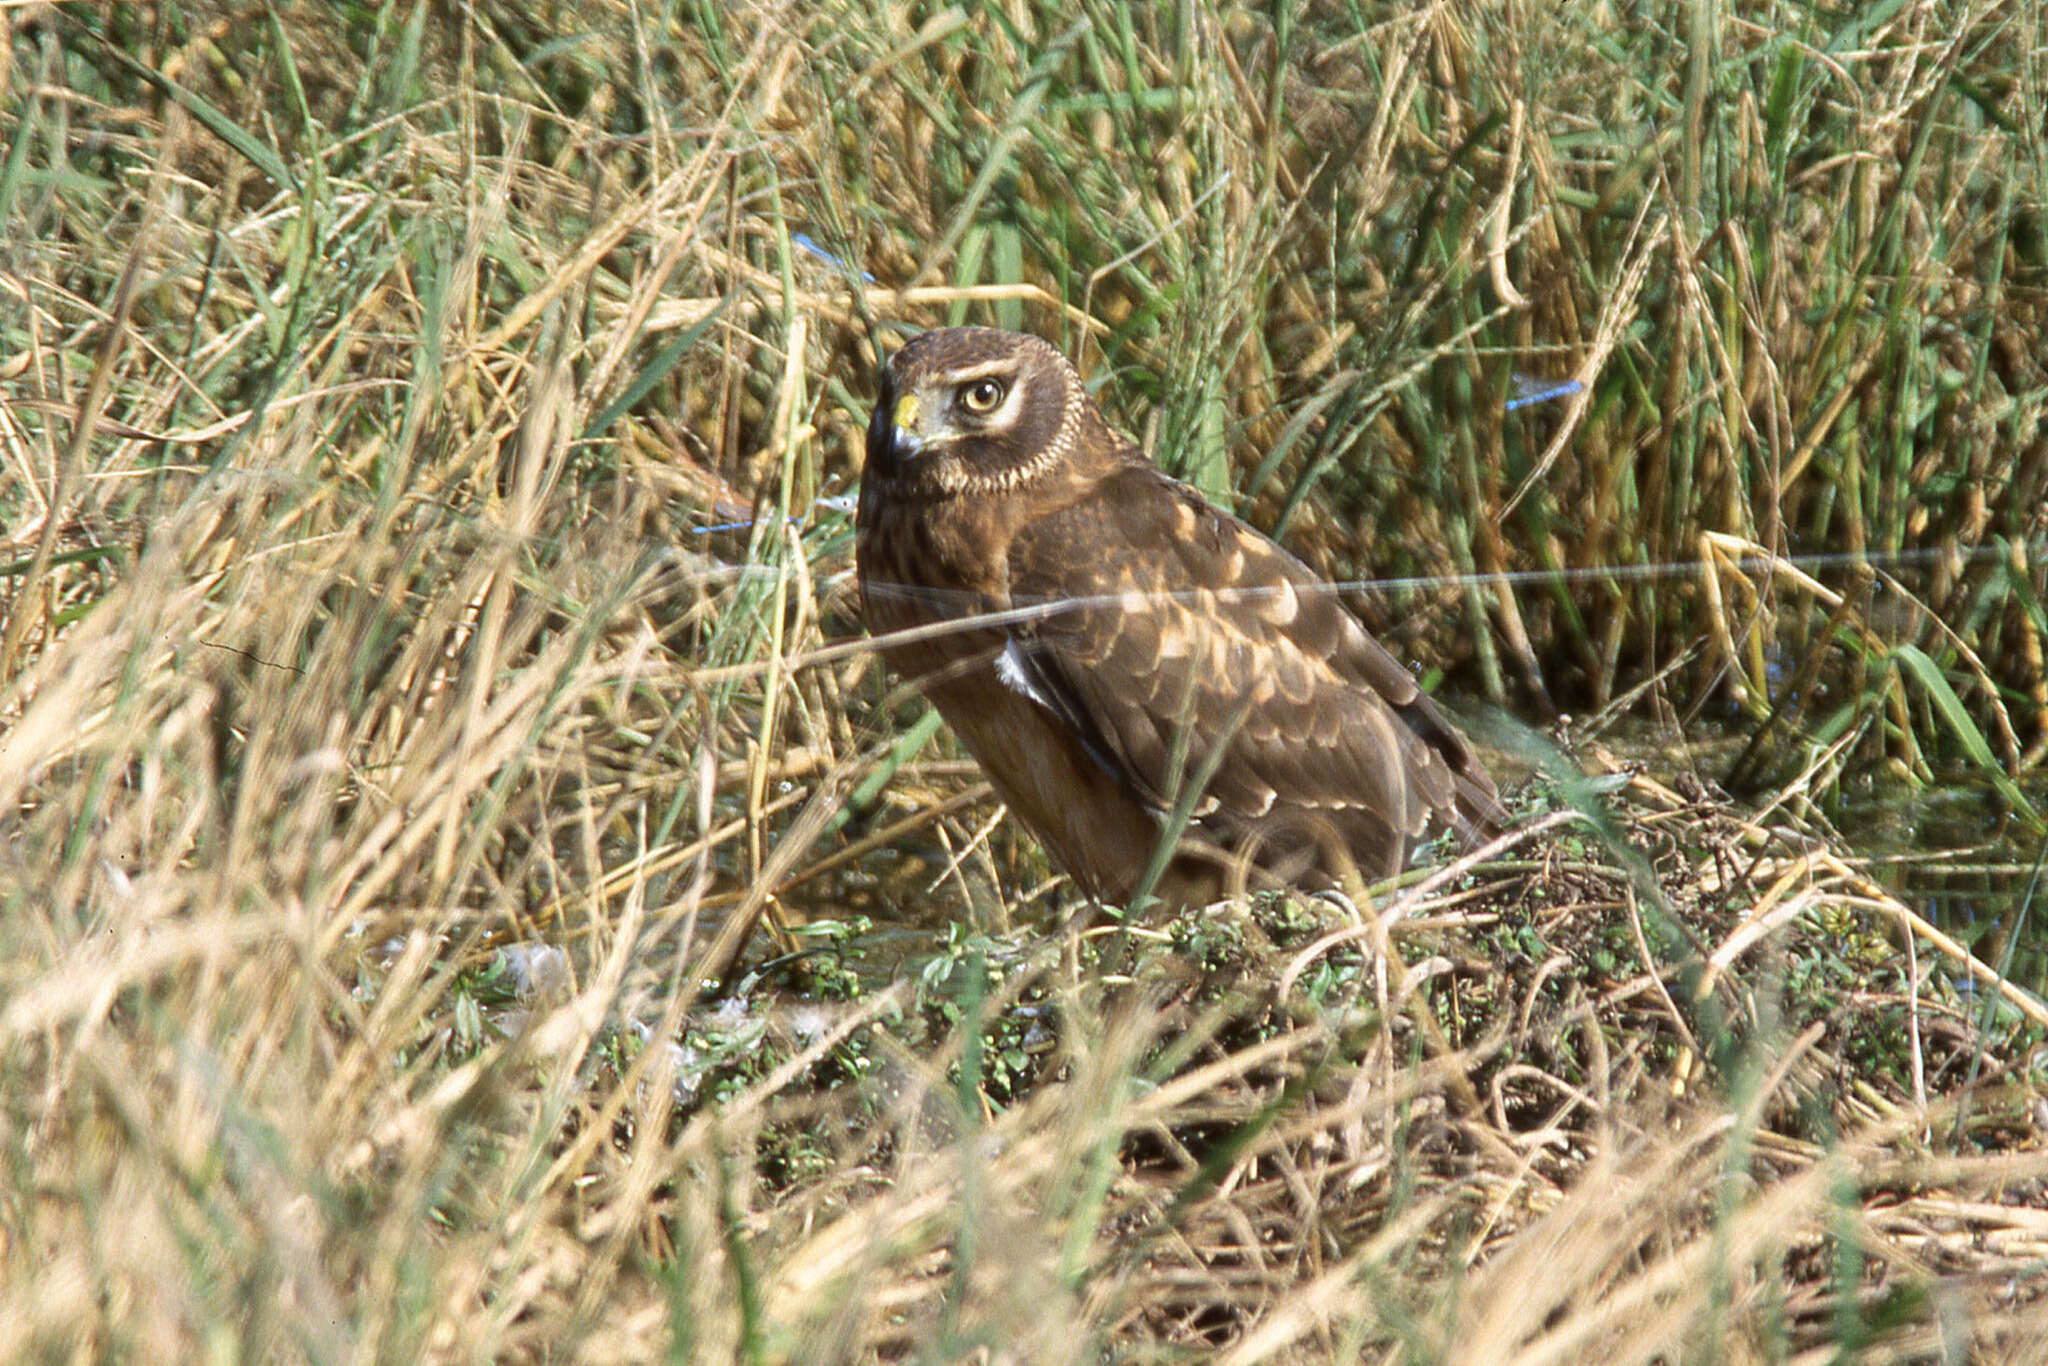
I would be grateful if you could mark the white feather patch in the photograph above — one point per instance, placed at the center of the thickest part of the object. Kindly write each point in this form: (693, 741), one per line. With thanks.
(1010, 668)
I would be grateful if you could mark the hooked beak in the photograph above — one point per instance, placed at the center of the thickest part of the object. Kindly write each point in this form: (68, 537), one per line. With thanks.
(903, 424)
(894, 430)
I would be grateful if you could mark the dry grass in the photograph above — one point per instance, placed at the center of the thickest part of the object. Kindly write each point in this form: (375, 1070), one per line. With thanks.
(452, 905)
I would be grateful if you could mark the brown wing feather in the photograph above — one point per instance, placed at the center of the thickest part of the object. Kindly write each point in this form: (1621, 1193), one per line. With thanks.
(1071, 795)
(1188, 644)
(1177, 647)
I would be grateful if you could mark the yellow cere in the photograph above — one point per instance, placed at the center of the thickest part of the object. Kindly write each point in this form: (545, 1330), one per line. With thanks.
(906, 411)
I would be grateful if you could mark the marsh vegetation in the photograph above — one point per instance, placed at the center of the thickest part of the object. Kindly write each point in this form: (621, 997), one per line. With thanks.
(468, 891)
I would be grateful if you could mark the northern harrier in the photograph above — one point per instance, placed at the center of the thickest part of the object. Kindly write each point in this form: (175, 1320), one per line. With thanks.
(1156, 659)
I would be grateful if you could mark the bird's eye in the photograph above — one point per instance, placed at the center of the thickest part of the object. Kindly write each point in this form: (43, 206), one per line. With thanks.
(982, 396)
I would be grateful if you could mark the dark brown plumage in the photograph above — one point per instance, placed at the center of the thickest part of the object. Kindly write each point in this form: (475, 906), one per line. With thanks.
(1162, 645)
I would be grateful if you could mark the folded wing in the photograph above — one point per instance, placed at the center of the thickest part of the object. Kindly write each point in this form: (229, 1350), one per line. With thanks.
(1201, 660)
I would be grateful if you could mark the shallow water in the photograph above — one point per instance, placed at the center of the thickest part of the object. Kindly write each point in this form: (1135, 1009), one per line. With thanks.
(1952, 851)
(1954, 856)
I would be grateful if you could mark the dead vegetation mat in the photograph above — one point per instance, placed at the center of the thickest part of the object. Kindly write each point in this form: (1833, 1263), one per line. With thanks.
(1631, 1078)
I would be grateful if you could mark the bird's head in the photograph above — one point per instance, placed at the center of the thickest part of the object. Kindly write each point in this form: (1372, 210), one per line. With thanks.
(966, 410)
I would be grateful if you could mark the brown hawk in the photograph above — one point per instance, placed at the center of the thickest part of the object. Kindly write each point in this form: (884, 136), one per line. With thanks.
(1155, 660)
